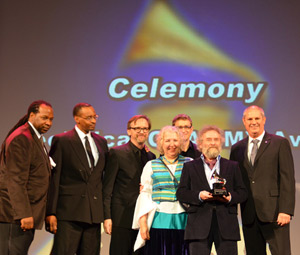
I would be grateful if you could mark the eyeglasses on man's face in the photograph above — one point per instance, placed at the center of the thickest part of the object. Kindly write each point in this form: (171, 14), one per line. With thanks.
(184, 127)
(89, 118)
(139, 129)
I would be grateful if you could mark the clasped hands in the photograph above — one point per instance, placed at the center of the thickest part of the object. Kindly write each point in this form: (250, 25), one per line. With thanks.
(207, 196)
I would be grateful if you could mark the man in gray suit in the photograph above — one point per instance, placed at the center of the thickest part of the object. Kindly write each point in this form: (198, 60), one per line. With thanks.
(24, 179)
(74, 208)
(121, 185)
(267, 168)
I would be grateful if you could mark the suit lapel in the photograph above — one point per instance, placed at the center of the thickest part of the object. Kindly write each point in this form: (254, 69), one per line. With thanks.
(263, 145)
(77, 145)
(244, 153)
(201, 172)
(40, 147)
(100, 152)
(135, 160)
(223, 167)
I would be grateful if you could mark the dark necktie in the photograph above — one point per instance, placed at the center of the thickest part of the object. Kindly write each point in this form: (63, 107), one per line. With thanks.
(254, 151)
(43, 144)
(144, 158)
(89, 152)
(42, 140)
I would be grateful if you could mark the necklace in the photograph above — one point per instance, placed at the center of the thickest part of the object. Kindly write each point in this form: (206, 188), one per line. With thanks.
(170, 162)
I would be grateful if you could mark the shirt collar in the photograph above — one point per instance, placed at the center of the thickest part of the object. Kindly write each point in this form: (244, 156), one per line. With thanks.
(134, 148)
(203, 158)
(35, 131)
(81, 134)
(259, 138)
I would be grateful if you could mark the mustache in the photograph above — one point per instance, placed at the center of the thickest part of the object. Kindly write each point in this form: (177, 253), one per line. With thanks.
(213, 147)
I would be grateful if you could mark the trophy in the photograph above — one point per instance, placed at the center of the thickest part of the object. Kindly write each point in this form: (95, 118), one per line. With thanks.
(219, 188)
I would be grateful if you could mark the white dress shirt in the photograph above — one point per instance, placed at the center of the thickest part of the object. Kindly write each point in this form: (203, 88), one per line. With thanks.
(250, 143)
(92, 143)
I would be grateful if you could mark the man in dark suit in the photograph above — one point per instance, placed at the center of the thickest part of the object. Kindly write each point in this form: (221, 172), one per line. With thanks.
(185, 125)
(121, 185)
(24, 179)
(267, 168)
(75, 208)
(211, 218)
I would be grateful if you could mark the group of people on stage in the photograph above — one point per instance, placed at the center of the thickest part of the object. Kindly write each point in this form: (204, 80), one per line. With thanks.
(149, 206)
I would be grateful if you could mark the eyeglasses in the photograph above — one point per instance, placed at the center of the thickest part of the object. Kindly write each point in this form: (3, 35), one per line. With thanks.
(89, 118)
(139, 129)
(184, 127)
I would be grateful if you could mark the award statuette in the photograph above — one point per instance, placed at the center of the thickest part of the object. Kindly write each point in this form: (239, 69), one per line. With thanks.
(219, 188)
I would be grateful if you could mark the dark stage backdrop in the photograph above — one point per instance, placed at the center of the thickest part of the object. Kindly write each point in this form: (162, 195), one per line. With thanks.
(208, 59)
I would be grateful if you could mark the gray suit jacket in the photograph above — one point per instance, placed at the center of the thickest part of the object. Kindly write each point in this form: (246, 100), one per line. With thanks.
(270, 182)
(24, 178)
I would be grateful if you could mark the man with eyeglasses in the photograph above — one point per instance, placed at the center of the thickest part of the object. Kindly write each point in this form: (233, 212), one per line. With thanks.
(75, 208)
(185, 125)
(121, 185)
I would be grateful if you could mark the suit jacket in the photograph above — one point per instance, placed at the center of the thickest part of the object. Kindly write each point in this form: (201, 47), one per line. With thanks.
(75, 193)
(121, 184)
(270, 182)
(193, 181)
(24, 178)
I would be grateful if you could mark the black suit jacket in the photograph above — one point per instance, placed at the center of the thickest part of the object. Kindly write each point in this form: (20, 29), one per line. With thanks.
(193, 181)
(75, 194)
(270, 182)
(121, 184)
(24, 178)
(192, 151)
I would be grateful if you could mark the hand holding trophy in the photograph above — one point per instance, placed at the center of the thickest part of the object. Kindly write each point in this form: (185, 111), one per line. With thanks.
(219, 188)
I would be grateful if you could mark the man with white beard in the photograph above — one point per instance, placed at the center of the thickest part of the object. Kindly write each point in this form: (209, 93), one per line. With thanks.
(212, 217)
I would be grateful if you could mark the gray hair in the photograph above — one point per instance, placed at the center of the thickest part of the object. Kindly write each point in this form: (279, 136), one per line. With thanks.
(161, 135)
(205, 129)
